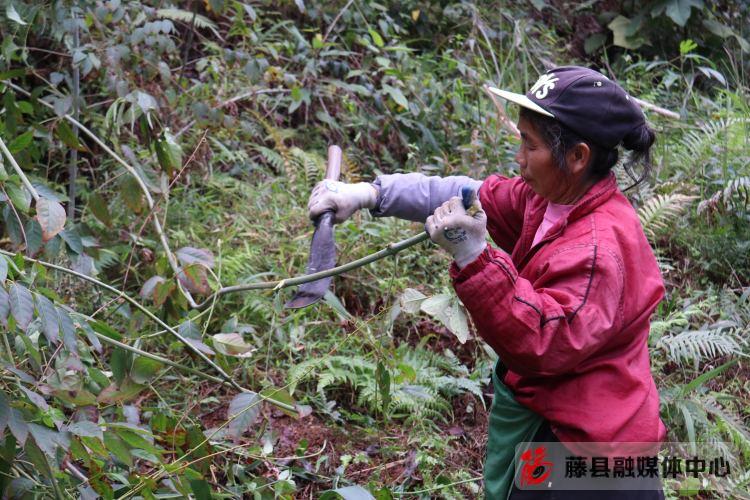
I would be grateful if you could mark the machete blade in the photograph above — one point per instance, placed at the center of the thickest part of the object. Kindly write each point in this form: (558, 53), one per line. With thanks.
(322, 257)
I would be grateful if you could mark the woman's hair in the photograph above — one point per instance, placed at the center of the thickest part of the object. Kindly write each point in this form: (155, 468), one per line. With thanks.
(561, 139)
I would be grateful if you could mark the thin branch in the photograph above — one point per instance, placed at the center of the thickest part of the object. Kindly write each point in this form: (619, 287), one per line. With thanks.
(336, 19)
(658, 110)
(391, 249)
(157, 225)
(18, 170)
(502, 115)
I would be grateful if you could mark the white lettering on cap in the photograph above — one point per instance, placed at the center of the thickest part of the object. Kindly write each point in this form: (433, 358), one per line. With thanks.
(542, 86)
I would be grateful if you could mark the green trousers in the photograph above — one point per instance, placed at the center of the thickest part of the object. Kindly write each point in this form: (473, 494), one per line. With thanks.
(510, 424)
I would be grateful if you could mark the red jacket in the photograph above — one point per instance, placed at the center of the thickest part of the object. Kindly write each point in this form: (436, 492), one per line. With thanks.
(569, 317)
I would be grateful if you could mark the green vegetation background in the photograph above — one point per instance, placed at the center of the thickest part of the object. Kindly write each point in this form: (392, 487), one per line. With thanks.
(156, 152)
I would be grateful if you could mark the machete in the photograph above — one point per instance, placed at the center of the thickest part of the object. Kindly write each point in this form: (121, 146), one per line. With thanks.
(322, 248)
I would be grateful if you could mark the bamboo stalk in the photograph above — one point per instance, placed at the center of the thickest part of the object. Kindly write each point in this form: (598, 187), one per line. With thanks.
(391, 249)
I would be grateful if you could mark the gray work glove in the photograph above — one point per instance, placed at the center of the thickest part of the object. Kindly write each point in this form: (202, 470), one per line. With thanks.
(461, 234)
(341, 198)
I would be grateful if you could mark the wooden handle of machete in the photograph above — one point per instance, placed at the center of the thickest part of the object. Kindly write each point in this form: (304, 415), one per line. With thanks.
(333, 170)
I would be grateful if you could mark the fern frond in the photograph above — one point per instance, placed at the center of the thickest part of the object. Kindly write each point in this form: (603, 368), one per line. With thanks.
(737, 192)
(186, 16)
(278, 163)
(700, 345)
(661, 209)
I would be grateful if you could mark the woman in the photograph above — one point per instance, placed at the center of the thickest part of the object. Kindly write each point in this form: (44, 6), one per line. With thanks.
(567, 298)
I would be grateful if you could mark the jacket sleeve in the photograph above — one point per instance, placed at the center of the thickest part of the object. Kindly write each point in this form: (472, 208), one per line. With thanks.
(504, 200)
(549, 326)
(415, 196)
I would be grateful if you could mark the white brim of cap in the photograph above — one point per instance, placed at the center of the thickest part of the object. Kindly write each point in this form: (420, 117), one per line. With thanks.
(521, 100)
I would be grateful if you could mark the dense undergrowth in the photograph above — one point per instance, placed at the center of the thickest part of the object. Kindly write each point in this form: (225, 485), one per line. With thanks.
(168, 150)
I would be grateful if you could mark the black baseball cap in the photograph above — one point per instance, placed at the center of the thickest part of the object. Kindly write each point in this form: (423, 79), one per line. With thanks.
(584, 100)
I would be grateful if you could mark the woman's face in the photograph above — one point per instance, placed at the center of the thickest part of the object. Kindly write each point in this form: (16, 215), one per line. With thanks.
(538, 168)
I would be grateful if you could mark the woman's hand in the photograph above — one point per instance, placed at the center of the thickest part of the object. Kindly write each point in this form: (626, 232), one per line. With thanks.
(461, 234)
(341, 198)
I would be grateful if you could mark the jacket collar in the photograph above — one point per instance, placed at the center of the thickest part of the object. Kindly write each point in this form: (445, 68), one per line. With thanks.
(599, 193)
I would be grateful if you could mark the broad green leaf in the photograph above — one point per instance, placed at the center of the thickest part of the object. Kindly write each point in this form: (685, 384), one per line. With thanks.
(376, 38)
(190, 255)
(144, 369)
(73, 240)
(100, 209)
(51, 217)
(118, 362)
(168, 152)
(18, 427)
(459, 323)
(679, 10)
(437, 305)
(118, 448)
(48, 440)
(21, 305)
(396, 95)
(281, 395)
(86, 428)
(21, 142)
(620, 27)
(34, 237)
(201, 489)
(19, 196)
(232, 344)
(68, 330)
(244, 410)
(10, 13)
(131, 194)
(35, 398)
(65, 133)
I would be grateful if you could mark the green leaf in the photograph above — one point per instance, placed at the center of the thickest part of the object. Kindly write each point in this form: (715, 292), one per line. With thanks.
(21, 142)
(73, 240)
(18, 427)
(232, 344)
(131, 194)
(201, 489)
(396, 95)
(594, 42)
(100, 209)
(679, 10)
(19, 196)
(10, 13)
(65, 133)
(168, 152)
(144, 369)
(86, 428)
(621, 27)
(162, 291)
(354, 493)
(33, 237)
(118, 448)
(48, 440)
(48, 314)
(51, 217)
(68, 330)
(21, 305)
(244, 410)
(376, 38)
